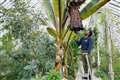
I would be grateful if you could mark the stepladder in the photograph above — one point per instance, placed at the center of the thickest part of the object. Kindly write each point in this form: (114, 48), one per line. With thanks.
(88, 75)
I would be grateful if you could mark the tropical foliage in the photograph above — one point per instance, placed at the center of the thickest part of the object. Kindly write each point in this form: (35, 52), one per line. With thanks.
(29, 53)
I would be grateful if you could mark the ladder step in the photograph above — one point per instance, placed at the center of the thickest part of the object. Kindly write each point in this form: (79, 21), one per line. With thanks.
(84, 77)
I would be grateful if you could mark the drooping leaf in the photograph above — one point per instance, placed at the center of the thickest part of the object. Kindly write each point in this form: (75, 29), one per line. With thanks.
(92, 7)
(52, 32)
(69, 36)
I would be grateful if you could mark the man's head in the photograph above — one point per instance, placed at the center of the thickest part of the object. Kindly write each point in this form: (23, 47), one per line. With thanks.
(88, 33)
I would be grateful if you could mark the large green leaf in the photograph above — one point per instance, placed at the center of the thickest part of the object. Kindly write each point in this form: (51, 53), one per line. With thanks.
(56, 4)
(50, 11)
(65, 14)
(56, 7)
(52, 32)
(69, 36)
(92, 7)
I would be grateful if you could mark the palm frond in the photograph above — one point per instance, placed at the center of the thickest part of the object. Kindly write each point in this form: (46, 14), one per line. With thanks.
(58, 8)
(65, 14)
(92, 7)
(56, 4)
(50, 12)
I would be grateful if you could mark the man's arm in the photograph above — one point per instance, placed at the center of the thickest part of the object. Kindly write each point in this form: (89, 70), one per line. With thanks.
(90, 45)
(79, 42)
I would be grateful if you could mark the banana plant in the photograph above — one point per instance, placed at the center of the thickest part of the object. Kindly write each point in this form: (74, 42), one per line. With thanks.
(57, 12)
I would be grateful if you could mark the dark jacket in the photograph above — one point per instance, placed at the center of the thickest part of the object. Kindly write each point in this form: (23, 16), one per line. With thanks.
(86, 44)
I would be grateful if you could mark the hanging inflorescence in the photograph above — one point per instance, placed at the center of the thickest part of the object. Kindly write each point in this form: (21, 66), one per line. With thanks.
(75, 20)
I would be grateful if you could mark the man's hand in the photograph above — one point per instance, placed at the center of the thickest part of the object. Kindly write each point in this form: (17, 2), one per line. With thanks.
(79, 46)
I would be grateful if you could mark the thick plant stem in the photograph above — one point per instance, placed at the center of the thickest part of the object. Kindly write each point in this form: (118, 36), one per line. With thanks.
(65, 67)
(59, 54)
(66, 46)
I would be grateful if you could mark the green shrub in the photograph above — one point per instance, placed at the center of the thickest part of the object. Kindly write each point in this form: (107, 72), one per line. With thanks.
(100, 73)
(54, 75)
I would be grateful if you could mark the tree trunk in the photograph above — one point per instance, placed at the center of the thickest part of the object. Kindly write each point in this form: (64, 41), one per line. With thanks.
(109, 51)
(111, 73)
(98, 56)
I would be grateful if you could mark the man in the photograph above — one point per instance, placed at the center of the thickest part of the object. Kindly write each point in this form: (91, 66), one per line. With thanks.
(86, 44)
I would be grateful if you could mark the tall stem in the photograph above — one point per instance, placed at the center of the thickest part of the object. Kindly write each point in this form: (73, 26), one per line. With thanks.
(111, 73)
(66, 46)
(109, 51)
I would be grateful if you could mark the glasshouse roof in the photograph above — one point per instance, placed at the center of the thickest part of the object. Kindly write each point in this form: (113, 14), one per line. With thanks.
(115, 6)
